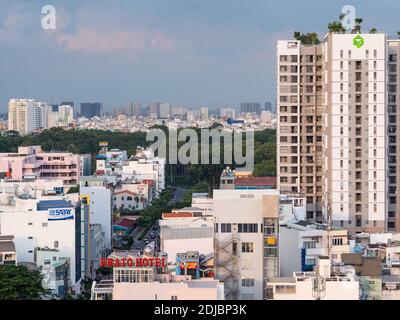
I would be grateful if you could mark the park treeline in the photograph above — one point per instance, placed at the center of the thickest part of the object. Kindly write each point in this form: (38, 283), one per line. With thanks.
(87, 141)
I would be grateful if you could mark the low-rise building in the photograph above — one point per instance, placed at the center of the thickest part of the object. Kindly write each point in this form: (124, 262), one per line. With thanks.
(145, 166)
(318, 285)
(8, 254)
(125, 225)
(186, 230)
(147, 278)
(42, 223)
(32, 162)
(301, 243)
(55, 269)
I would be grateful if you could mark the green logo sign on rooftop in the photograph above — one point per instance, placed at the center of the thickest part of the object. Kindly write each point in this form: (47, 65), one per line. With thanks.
(358, 41)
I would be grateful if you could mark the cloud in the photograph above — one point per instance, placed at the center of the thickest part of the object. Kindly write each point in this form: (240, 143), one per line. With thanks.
(90, 40)
(16, 21)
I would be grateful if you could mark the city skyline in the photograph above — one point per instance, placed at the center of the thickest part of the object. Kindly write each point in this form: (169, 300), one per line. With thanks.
(185, 53)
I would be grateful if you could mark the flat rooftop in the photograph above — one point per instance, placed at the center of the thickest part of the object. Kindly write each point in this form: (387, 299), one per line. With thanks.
(282, 280)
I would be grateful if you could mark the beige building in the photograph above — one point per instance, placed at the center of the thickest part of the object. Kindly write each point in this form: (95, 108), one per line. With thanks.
(300, 110)
(393, 134)
(27, 115)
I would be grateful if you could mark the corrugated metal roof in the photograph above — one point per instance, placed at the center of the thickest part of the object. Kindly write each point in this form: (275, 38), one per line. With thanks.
(53, 204)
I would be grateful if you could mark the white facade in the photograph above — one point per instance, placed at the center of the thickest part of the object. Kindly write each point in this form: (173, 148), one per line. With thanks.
(300, 287)
(165, 110)
(145, 166)
(179, 235)
(33, 228)
(343, 58)
(150, 286)
(37, 188)
(100, 206)
(246, 220)
(27, 115)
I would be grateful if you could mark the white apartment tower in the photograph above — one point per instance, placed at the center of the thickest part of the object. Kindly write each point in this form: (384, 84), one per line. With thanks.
(27, 115)
(332, 123)
(355, 130)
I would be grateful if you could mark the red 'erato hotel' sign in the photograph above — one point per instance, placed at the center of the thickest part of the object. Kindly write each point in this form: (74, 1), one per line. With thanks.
(133, 262)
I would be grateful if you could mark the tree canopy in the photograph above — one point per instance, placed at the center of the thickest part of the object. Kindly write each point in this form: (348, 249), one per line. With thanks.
(20, 283)
(307, 38)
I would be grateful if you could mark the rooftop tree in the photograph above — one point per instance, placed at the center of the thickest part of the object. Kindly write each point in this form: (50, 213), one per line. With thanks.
(307, 38)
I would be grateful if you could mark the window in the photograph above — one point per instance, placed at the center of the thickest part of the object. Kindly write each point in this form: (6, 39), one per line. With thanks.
(174, 297)
(248, 227)
(311, 262)
(282, 289)
(309, 245)
(247, 247)
(247, 282)
(216, 228)
(44, 224)
(337, 241)
(226, 227)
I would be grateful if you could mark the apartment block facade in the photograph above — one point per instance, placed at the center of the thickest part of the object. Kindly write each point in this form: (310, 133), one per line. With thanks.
(32, 163)
(393, 125)
(337, 126)
(300, 111)
(27, 115)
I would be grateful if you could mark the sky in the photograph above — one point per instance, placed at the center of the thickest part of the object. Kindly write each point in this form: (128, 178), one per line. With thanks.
(192, 53)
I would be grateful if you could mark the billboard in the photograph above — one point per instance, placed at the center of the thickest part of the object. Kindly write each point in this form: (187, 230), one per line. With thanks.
(60, 214)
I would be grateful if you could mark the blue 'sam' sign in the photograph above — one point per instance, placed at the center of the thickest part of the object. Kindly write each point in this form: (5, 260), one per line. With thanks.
(60, 214)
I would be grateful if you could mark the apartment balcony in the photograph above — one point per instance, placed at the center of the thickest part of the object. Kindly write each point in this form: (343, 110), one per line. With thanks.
(32, 165)
(317, 252)
(66, 170)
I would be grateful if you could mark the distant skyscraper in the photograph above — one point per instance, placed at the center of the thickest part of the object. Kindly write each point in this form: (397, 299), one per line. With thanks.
(90, 110)
(154, 110)
(269, 107)
(27, 115)
(165, 110)
(204, 113)
(250, 107)
(134, 109)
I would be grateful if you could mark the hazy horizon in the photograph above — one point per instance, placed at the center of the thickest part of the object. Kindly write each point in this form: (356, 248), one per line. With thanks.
(190, 53)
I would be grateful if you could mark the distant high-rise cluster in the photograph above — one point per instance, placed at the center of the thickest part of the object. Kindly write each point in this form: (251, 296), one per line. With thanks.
(27, 115)
(250, 107)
